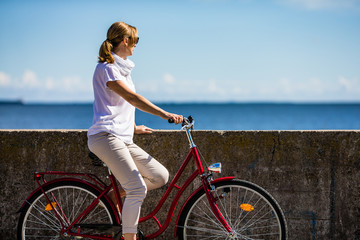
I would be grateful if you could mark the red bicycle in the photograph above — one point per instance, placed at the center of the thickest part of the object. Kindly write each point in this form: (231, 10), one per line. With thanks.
(76, 206)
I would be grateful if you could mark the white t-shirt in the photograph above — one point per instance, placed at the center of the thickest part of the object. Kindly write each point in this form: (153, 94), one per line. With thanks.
(112, 113)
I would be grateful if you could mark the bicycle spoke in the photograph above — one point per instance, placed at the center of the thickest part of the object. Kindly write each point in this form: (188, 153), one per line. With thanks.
(45, 237)
(246, 226)
(208, 217)
(48, 216)
(239, 219)
(52, 226)
(202, 223)
(60, 213)
(78, 198)
(206, 230)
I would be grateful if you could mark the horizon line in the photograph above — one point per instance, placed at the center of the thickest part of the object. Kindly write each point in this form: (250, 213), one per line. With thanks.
(22, 102)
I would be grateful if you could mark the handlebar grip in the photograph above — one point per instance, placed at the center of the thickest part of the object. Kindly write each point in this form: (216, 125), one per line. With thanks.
(184, 120)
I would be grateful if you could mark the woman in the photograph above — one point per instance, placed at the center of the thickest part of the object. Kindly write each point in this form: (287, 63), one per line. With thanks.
(111, 135)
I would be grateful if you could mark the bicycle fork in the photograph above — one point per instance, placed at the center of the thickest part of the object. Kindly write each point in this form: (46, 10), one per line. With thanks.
(209, 189)
(206, 181)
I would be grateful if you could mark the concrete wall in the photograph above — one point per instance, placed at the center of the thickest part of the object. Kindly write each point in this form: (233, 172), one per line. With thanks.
(314, 175)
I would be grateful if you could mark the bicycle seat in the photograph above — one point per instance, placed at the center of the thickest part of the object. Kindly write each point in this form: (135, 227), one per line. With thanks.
(96, 161)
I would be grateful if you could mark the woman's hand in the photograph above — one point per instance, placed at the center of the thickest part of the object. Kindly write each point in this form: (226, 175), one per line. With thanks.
(142, 130)
(177, 118)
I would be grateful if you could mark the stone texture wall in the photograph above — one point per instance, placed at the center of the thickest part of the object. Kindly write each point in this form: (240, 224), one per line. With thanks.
(314, 175)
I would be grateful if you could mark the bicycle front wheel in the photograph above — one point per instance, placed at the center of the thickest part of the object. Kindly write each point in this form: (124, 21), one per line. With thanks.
(69, 199)
(250, 211)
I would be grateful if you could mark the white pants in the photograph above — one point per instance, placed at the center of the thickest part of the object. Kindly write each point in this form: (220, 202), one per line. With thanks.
(136, 171)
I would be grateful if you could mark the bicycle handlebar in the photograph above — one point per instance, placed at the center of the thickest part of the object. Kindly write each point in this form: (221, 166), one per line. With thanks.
(186, 121)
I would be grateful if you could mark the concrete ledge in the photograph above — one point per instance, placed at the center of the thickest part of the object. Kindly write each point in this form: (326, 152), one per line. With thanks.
(314, 175)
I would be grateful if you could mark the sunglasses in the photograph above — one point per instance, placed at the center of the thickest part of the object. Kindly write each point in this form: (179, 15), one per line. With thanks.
(136, 41)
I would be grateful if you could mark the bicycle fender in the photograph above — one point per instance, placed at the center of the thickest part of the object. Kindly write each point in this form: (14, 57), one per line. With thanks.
(193, 194)
(51, 182)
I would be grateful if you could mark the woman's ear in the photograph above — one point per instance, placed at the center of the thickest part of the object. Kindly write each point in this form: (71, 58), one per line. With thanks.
(126, 41)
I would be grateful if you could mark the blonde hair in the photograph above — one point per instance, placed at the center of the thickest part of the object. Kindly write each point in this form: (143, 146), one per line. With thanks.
(115, 35)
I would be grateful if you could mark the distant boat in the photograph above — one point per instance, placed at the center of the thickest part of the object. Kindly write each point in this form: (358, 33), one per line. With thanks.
(11, 102)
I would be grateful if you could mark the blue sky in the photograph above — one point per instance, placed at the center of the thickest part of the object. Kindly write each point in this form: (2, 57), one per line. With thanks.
(189, 50)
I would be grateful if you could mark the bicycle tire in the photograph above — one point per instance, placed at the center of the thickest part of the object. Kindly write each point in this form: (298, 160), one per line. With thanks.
(251, 212)
(38, 220)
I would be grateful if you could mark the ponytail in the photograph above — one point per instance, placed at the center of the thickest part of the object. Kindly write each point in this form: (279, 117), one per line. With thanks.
(105, 52)
(115, 35)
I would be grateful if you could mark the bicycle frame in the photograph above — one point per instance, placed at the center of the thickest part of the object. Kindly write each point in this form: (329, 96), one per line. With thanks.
(193, 154)
(104, 189)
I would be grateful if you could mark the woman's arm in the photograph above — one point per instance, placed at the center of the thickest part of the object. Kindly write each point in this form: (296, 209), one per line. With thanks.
(140, 102)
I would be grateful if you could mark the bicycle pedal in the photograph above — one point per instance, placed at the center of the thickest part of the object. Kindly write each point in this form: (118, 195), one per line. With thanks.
(118, 235)
(141, 235)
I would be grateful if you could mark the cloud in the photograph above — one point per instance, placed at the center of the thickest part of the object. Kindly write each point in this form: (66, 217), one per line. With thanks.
(311, 89)
(322, 4)
(71, 84)
(302, 88)
(29, 79)
(4, 79)
(282, 89)
(168, 78)
(212, 87)
(350, 85)
(216, 90)
(30, 87)
(50, 84)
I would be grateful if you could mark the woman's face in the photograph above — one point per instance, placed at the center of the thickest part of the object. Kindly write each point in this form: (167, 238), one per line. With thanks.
(125, 48)
(131, 47)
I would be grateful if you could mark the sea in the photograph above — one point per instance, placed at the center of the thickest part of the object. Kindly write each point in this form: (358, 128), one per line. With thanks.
(208, 116)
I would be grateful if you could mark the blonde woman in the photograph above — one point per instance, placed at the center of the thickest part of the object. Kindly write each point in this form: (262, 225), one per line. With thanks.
(111, 135)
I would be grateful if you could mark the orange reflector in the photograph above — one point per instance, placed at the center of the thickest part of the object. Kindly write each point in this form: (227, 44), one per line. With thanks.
(49, 207)
(246, 207)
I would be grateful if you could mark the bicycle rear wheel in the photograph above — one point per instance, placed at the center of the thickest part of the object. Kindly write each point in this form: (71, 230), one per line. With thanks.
(69, 199)
(250, 211)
